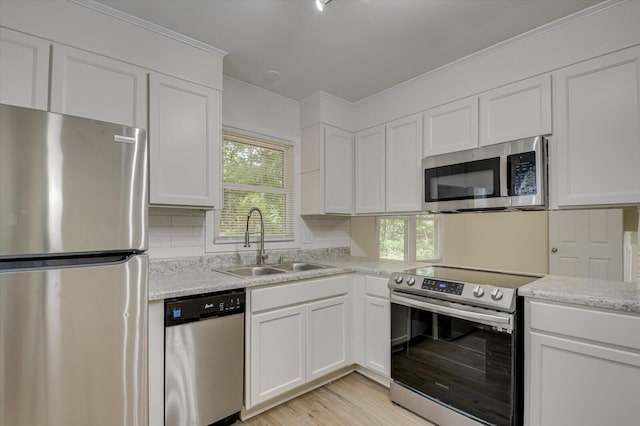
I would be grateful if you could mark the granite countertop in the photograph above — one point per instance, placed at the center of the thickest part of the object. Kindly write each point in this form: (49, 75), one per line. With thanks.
(185, 281)
(615, 295)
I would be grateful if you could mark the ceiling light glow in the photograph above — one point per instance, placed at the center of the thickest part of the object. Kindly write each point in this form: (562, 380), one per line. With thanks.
(320, 4)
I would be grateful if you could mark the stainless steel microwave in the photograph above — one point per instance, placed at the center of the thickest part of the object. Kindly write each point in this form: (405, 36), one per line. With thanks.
(505, 176)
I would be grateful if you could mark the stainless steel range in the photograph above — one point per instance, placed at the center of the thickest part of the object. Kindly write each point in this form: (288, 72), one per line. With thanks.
(456, 344)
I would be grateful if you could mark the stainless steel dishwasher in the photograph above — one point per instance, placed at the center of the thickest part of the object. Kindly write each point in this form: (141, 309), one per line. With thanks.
(204, 359)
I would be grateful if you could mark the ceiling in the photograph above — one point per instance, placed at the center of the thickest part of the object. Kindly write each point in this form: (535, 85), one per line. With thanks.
(353, 49)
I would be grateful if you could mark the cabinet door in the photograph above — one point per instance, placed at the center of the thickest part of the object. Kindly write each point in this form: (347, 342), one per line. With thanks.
(184, 143)
(377, 335)
(24, 70)
(93, 86)
(311, 169)
(451, 127)
(338, 171)
(596, 152)
(370, 170)
(580, 383)
(277, 353)
(404, 164)
(516, 111)
(327, 332)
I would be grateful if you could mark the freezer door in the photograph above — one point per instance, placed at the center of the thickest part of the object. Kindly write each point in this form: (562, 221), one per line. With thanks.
(74, 345)
(70, 184)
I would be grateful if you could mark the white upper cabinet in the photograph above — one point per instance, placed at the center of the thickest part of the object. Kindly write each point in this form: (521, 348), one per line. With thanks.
(516, 111)
(93, 86)
(404, 164)
(326, 170)
(24, 70)
(451, 127)
(338, 171)
(596, 150)
(184, 143)
(370, 166)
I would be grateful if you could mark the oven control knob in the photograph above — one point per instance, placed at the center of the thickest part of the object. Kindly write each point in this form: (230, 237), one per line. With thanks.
(411, 281)
(478, 291)
(496, 294)
(398, 279)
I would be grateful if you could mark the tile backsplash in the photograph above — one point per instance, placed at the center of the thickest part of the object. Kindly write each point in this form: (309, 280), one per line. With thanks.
(180, 232)
(176, 232)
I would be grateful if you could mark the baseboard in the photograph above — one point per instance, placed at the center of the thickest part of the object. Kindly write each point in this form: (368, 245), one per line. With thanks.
(267, 405)
(287, 396)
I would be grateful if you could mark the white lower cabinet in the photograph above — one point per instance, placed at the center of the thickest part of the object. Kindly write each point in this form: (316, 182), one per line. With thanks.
(297, 332)
(278, 341)
(327, 331)
(377, 335)
(375, 326)
(582, 365)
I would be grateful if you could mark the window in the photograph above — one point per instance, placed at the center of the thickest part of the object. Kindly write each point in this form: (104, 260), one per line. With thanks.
(256, 173)
(408, 237)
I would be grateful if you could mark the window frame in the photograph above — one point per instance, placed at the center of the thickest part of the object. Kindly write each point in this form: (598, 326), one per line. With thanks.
(232, 244)
(410, 237)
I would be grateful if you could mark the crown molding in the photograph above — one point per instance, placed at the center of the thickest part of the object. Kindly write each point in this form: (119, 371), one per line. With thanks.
(596, 8)
(138, 22)
(260, 89)
(322, 94)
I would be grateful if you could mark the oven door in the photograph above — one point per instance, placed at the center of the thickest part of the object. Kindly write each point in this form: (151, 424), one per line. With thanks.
(457, 355)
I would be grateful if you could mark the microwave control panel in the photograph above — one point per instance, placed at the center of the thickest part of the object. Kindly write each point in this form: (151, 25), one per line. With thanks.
(522, 174)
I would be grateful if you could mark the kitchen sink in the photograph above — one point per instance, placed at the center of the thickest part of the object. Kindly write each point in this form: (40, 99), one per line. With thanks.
(278, 268)
(252, 271)
(298, 266)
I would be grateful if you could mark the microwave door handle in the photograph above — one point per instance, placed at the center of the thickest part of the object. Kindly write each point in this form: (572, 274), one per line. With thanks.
(482, 318)
(504, 190)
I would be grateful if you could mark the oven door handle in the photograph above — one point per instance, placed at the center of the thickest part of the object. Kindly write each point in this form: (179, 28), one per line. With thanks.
(503, 322)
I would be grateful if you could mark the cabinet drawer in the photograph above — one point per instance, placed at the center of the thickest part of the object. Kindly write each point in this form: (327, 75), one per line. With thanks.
(298, 292)
(377, 286)
(602, 326)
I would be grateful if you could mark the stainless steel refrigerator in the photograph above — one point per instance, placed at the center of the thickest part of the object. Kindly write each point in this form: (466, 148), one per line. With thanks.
(73, 273)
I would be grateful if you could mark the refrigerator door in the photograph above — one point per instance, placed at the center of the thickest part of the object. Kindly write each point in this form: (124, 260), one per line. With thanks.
(74, 345)
(70, 185)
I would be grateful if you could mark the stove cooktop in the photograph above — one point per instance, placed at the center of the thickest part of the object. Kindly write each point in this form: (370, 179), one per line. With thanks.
(472, 276)
(489, 289)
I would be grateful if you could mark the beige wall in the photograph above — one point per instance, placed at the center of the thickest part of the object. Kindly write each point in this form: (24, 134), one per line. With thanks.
(514, 241)
(364, 241)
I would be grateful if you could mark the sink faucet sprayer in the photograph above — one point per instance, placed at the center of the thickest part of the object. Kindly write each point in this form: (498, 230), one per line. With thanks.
(262, 255)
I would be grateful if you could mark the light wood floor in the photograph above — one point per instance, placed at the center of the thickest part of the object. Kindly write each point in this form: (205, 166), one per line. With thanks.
(351, 400)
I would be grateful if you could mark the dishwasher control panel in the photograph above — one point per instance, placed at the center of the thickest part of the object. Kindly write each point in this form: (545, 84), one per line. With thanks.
(196, 308)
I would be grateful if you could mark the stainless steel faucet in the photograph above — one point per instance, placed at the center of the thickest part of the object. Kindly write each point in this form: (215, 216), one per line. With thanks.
(262, 255)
